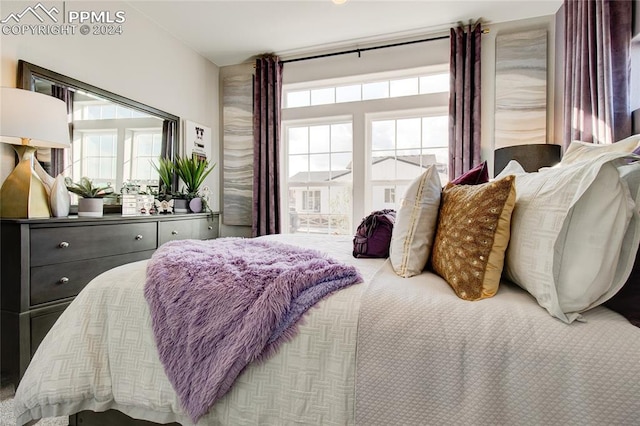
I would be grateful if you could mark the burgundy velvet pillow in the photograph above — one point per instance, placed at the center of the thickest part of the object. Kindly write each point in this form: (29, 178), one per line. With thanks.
(626, 302)
(479, 174)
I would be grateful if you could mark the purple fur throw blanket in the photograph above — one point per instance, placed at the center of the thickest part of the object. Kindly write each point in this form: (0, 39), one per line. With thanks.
(218, 305)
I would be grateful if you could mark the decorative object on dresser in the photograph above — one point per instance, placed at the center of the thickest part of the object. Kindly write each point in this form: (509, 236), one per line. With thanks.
(55, 258)
(193, 170)
(91, 204)
(531, 157)
(29, 120)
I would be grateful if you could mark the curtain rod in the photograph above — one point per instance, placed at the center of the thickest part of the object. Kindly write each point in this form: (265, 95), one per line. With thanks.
(364, 49)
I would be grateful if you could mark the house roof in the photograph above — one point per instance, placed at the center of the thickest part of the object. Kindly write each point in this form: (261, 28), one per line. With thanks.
(423, 160)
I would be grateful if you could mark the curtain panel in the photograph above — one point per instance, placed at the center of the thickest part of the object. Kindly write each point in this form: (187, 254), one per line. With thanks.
(597, 70)
(266, 141)
(464, 100)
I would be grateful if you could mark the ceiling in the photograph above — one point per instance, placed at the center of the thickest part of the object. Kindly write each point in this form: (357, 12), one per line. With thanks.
(230, 32)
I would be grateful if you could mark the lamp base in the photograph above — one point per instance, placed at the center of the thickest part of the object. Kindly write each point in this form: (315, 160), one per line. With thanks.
(23, 195)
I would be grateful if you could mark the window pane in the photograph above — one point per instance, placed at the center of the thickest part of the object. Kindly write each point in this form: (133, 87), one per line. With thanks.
(92, 112)
(375, 90)
(384, 168)
(404, 87)
(436, 83)
(340, 210)
(383, 134)
(298, 99)
(298, 166)
(435, 131)
(383, 197)
(319, 163)
(298, 140)
(319, 138)
(93, 145)
(124, 112)
(106, 168)
(409, 133)
(108, 111)
(93, 168)
(340, 166)
(341, 137)
(349, 93)
(323, 96)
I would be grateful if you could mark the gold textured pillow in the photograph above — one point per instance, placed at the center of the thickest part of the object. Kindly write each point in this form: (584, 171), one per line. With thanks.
(472, 236)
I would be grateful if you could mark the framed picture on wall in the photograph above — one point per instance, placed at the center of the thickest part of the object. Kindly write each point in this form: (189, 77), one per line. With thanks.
(197, 140)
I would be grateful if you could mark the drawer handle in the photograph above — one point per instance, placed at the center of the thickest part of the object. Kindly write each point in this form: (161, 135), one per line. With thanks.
(63, 280)
(210, 227)
(63, 244)
(174, 232)
(138, 237)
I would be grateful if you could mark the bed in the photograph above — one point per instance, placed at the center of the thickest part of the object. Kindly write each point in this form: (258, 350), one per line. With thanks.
(390, 349)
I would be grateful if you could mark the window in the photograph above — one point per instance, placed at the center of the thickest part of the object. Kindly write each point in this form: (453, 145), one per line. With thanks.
(342, 162)
(319, 180)
(107, 135)
(96, 158)
(401, 149)
(142, 150)
(311, 201)
(389, 195)
(384, 88)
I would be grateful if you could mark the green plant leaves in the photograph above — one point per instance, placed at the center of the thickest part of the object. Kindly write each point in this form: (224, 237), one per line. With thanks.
(85, 188)
(193, 171)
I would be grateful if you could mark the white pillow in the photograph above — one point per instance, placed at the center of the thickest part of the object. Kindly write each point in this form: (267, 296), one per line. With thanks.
(415, 225)
(569, 233)
(581, 151)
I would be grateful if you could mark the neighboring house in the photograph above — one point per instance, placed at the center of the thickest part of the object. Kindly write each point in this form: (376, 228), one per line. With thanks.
(319, 198)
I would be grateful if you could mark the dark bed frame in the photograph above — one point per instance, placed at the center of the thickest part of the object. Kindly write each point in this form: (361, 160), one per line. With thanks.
(108, 418)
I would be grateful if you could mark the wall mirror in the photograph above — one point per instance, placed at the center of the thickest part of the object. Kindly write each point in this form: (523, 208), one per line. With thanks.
(114, 140)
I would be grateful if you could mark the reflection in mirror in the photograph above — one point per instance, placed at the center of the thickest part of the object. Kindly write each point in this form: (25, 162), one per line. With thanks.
(115, 141)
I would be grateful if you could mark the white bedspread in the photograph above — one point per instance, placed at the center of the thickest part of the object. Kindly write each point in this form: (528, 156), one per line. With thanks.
(423, 357)
(101, 355)
(426, 357)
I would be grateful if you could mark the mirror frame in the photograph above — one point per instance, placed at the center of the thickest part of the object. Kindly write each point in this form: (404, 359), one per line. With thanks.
(27, 73)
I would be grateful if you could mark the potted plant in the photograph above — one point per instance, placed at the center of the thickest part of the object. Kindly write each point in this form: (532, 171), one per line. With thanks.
(193, 171)
(91, 202)
(165, 169)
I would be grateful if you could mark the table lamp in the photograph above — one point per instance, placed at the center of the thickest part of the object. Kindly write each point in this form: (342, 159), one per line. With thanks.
(29, 120)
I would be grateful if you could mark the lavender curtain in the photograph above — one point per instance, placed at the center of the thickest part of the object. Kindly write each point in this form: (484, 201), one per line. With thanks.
(464, 100)
(266, 140)
(58, 165)
(597, 70)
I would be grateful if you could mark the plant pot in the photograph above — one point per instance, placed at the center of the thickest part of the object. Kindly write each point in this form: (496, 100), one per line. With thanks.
(90, 207)
(180, 205)
(195, 205)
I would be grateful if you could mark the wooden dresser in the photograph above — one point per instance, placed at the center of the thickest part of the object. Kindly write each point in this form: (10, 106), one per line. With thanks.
(46, 262)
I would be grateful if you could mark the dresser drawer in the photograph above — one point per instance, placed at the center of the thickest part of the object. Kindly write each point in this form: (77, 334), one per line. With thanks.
(56, 245)
(177, 230)
(54, 282)
(207, 228)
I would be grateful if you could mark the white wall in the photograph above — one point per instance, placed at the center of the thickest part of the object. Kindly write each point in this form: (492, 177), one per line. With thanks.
(145, 64)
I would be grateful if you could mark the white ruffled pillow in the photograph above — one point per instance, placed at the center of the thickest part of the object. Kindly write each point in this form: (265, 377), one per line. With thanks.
(570, 247)
(415, 226)
(581, 151)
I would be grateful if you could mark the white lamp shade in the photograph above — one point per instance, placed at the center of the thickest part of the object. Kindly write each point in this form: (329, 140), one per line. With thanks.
(42, 119)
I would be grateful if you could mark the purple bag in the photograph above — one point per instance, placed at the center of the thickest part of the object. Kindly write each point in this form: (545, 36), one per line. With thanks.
(373, 236)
